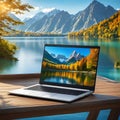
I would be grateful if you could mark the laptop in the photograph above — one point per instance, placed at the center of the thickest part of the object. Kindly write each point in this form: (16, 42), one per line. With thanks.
(68, 73)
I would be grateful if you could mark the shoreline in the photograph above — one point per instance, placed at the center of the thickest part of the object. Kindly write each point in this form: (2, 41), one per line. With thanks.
(107, 79)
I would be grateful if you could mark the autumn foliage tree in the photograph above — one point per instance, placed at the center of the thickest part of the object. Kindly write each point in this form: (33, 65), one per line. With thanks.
(8, 49)
(108, 28)
(88, 63)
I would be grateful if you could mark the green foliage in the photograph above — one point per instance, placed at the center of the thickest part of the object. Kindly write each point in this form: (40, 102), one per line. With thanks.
(7, 50)
(117, 65)
(109, 28)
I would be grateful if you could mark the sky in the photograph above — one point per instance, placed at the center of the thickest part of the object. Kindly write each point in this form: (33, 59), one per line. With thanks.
(67, 51)
(72, 6)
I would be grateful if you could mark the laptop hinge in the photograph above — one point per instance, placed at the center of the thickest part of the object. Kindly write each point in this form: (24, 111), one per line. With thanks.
(64, 87)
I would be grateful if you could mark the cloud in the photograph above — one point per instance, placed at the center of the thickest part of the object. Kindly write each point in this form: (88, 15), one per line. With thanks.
(118, 8)
(29, 14)
(33, 12)
(36, 8)
(46, 10)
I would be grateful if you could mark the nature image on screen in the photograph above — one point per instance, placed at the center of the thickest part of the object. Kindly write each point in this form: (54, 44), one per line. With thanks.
(24, 31)
(76, 66)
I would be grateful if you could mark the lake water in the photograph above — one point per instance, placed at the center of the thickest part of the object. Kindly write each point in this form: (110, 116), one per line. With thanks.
(30, 51)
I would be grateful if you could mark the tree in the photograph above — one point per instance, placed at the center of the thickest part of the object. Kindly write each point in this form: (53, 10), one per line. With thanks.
(7, 7)
(108, 28)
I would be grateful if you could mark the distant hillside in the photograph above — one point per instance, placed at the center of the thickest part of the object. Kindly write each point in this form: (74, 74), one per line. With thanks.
(50, 59)
(109, 28)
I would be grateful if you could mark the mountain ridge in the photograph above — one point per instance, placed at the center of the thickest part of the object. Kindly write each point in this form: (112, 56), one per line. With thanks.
(60, 21)
(62, 59)
(109, 28)
(74, 57)
(93, 14)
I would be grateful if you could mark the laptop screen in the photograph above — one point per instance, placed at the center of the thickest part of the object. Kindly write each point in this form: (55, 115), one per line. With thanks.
(69, 65)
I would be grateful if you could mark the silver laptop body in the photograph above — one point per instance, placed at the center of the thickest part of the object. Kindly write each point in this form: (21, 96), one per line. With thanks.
(68, 73)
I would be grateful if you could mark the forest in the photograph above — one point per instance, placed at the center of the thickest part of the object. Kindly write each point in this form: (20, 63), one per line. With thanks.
(108, 28)
(33, 34)
(87, 63)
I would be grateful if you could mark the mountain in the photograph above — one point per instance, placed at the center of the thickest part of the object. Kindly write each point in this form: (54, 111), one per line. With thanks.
(71, 60)
(29, 22)
(49, 58)
(14, 17)
(86, 64)
(53, 12)
(26, 19)
(93, 14)
(79, 57)
(58, 21)
(74, 57)
(61, 58)
(53, 55)
(109, 28)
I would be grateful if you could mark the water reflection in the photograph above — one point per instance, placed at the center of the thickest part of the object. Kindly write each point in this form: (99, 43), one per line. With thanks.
(6, 64)
(29, 54)
(109, 47)
(109, 54)
(31, 50)
(75, 78)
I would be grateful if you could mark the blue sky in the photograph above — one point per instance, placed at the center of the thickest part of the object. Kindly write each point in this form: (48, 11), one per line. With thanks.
(67, 51)
(72, 6)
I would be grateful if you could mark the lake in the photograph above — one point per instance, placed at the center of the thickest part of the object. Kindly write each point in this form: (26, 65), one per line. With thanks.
(30, 52)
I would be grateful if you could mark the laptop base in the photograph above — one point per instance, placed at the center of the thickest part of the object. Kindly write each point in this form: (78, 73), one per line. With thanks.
(48, 95)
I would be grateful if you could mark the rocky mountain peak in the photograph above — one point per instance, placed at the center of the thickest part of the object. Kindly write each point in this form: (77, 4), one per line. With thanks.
(53, 12)
(74, 54)
(60, 21)
(74, 57)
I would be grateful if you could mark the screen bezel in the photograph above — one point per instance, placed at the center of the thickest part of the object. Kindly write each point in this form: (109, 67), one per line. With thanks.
(68, 85)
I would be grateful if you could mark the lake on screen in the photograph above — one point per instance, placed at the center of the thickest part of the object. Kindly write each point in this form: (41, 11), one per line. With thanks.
(30, 52)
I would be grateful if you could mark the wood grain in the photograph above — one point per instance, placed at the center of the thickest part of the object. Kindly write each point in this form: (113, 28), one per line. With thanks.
(17, 106)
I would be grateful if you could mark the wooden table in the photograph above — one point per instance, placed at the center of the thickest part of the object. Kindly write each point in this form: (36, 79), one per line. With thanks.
(12, 107)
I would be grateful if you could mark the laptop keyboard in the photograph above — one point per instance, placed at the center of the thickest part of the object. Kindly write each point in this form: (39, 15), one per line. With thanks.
(55, 90)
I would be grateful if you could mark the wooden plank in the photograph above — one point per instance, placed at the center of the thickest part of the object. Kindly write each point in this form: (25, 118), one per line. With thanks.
(93, 115)
(7, 85)
(20, 76)
(17, 106)
(45, 107)
(114, 114)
